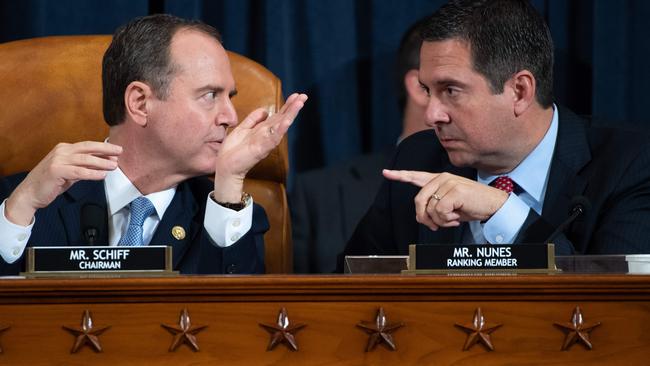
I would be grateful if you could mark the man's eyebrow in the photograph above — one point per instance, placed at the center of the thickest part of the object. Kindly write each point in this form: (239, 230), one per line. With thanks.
(450, 81)
(216, 89)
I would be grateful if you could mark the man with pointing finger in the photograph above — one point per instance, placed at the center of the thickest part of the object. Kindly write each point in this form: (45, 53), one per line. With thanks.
(167, 89)
(504, 162)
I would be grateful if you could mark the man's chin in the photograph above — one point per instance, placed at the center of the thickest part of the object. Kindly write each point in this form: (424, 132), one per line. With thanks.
(460, 160)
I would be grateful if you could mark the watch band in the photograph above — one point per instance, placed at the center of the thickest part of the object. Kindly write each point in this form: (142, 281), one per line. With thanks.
(238, 206)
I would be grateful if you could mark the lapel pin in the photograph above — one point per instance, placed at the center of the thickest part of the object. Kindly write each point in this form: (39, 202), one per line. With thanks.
(178, 233)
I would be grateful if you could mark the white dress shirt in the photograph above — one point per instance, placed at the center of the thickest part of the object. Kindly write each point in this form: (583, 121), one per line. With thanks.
(223, 225)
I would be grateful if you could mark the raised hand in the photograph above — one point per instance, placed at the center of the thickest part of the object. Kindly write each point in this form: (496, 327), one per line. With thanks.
(65, 165)
(446, 200)
(250, 142)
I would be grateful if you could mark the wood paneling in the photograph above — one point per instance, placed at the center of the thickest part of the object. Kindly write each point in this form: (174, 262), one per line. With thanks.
(331, 306)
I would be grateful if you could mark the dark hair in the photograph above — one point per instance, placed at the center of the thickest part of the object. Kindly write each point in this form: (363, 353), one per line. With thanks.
(504, 37)
(140, 51)
(408, 58)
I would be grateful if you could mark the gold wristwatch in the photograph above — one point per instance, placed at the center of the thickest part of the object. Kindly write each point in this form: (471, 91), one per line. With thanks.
(245, 198)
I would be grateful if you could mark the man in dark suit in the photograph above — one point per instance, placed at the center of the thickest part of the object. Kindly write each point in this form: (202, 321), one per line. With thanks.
(514, 161)
(167, 88)
(327, 204)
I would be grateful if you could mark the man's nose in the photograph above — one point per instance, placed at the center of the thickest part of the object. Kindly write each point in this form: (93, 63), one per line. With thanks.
(435, 113)
(226, 115)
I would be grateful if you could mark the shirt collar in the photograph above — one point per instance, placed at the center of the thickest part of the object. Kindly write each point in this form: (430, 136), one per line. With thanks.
(120, 192)
(532, 173)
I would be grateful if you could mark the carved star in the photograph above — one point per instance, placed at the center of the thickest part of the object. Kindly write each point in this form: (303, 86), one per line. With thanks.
(3, 328)
(87, 334)
(282, 332)
(576, 330)
(184, 333)
(478, 331)
(380, 331)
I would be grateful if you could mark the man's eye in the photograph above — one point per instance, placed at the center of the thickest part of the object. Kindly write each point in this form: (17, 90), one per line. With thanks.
(425, 89)
(451, 91)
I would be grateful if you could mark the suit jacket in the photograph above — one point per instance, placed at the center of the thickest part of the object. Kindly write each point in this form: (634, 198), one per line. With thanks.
(326, 206)
(611, 168)
(59, 225)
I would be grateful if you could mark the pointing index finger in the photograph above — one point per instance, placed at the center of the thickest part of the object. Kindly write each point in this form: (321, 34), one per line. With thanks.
(416, 178)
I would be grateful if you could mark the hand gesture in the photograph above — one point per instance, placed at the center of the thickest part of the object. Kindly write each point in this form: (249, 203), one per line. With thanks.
(250, 142)
(446, 200)
(65, 165)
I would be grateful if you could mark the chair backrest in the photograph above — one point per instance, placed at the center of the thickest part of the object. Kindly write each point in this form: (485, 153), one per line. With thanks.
(50, 92)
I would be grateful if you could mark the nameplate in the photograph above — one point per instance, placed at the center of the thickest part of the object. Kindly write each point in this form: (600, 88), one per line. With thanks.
(434, 258)
(90, 259)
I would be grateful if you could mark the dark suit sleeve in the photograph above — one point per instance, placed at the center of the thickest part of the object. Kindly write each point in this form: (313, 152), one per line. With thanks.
(246, 256)
(389, 224)
(300, 226)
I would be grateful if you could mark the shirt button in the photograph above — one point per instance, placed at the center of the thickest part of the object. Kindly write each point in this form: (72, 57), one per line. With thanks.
(16, 251)
(234, 237)
(499, 238)
(232, 268)
(22, 237)
(236, 222)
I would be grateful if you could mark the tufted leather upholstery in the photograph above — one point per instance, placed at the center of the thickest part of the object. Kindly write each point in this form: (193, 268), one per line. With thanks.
(50, 92)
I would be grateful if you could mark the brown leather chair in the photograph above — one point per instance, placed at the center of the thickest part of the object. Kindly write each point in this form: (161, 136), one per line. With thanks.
(50, 92)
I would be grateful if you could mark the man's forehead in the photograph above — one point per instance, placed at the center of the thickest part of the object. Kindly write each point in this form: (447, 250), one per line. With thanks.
(447, 52)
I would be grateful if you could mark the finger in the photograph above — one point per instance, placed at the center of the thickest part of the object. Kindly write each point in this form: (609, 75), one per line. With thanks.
(424, 218)
(90, 161)
(95, 147)
(287, 102)
(423, 200)
(255, 117)
(282, 121)
(291, 109)
(416, 178)
(75, 173)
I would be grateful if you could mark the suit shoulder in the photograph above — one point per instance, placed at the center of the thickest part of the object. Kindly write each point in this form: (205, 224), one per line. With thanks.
(625, 143)
(420, 151)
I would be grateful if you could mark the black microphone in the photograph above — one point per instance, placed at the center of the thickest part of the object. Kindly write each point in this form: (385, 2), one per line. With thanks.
(579, 205)
(93, 223)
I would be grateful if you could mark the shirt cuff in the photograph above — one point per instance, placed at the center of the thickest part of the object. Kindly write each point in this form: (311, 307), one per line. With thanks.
(503, 226)
(225, 226)
(13, 238)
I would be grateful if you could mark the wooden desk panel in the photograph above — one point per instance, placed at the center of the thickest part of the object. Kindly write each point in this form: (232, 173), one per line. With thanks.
(331, 306)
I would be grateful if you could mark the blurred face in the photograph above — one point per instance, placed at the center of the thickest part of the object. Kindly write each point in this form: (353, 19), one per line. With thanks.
(476, 127)
(188, 127)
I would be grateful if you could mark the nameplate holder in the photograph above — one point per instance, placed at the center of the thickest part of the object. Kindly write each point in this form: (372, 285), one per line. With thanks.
(475, 258)
(99, 261)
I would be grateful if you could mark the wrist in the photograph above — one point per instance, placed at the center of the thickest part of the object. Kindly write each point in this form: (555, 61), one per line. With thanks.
(18, 213)
(228, 189)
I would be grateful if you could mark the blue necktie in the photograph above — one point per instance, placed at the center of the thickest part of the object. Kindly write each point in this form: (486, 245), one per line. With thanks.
(141, 208)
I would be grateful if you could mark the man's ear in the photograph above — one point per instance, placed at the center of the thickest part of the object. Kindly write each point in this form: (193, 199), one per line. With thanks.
(136, 97)
(413, 88)
(524, 86)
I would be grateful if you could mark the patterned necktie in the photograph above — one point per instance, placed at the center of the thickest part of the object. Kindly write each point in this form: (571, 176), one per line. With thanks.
(141, 208)
(504, 183)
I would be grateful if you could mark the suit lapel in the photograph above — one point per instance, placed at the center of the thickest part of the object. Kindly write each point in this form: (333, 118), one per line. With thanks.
(78, 195)
(182, 213)
(571, 154)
